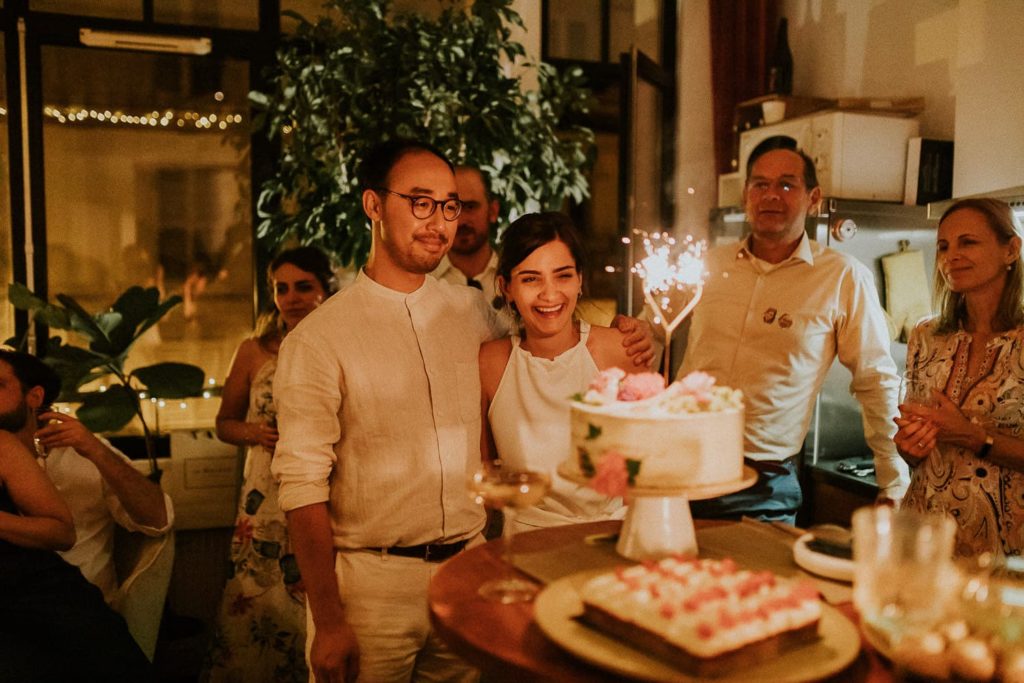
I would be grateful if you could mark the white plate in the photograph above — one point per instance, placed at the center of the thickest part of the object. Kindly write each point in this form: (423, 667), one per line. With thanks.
(559, 603)
(829, 566)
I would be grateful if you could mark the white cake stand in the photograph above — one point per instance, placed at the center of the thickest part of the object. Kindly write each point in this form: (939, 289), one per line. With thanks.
(658, 522)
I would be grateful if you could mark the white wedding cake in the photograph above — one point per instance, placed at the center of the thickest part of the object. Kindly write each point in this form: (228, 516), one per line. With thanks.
(630, 431)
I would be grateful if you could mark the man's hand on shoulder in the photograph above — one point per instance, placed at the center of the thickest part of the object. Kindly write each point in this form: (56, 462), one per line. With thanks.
(638, 339)
(334, 654)
(63, 431)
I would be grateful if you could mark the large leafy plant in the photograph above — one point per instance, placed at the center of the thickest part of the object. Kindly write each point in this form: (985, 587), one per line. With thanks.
(343, 84)
(110, 335)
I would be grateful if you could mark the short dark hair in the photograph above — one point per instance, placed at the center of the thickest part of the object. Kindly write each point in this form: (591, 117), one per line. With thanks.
(532, 231)
(32, 372)
(309, 259)
(484, 179)
(382, 157)
(784, 142)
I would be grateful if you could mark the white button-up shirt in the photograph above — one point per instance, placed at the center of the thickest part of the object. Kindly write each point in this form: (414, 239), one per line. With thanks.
(378, 400)
(95, 509)
(449, 273)
(773, 331)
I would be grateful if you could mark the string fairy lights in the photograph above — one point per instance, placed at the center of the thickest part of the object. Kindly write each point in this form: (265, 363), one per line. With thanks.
(167, 118)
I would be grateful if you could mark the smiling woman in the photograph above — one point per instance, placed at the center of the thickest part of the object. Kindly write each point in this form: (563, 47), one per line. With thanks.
(527, 379)
(965, 446)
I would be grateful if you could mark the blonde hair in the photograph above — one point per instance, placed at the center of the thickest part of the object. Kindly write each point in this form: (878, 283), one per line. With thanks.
(951, 305)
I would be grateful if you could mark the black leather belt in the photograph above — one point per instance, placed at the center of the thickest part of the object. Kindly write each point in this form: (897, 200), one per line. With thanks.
(428, 552)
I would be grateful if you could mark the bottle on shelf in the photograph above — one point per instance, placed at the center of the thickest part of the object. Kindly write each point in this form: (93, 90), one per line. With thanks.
(780, 67)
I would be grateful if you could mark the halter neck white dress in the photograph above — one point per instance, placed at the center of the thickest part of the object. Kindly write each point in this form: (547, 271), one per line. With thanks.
(529, 418)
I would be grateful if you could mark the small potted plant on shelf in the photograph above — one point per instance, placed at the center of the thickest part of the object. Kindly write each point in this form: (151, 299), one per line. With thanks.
(109, 336)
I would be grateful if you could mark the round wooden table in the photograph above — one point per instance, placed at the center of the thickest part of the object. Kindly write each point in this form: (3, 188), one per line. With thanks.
(505, 643)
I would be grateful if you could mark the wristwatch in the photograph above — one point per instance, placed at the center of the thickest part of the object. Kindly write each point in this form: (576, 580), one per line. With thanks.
(985, 447)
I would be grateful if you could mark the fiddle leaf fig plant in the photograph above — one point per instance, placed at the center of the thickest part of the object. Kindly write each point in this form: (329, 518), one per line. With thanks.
(364, 74)
(110, 335)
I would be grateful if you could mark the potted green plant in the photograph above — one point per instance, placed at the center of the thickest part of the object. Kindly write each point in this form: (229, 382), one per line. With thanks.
(110, 335)
(350, 80)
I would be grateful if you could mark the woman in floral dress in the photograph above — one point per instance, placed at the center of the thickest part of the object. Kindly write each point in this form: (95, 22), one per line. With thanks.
(261, 630)
(965, 447)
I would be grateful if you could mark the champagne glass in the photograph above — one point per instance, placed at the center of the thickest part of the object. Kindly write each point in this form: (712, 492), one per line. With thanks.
(508, 489)
(915, 389)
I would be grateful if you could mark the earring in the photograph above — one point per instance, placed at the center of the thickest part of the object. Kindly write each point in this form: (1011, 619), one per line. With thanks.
(1009, 266)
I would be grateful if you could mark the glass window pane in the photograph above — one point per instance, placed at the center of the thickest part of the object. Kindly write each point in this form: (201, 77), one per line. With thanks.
(6, 266)
(114, 9)
(574, 29)
(216, 13)
(648, 23)
(147, 182)
(635, 21)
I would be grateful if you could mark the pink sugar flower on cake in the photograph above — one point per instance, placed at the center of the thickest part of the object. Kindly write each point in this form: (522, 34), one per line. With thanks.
(640, 386)
(611, 478)
(699, 385)
(607, 380)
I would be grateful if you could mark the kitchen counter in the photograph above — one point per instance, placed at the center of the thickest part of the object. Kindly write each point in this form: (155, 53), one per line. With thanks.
(831, 496)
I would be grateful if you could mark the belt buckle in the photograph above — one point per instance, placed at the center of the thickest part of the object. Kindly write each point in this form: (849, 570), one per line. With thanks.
(426, 552)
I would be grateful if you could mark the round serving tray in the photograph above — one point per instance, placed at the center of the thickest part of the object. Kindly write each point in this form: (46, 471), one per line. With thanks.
(558, 605)
(566, 470)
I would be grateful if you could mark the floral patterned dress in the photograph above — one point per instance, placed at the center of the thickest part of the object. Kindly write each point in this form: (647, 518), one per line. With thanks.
(986, 500)
(261, 630)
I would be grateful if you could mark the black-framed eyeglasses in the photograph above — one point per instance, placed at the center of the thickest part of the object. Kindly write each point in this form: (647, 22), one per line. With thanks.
(424, 207)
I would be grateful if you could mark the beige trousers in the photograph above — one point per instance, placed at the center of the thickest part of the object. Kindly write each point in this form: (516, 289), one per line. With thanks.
(386, 603)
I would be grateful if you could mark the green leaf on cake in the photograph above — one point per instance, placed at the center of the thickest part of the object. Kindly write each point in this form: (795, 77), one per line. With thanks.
(586, 466)
(632, 469)
(593, 431)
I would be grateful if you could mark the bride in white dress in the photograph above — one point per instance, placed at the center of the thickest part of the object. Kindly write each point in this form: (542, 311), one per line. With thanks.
(528, 377)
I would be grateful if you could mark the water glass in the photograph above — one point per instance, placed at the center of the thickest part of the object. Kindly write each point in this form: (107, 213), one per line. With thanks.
(904, 575)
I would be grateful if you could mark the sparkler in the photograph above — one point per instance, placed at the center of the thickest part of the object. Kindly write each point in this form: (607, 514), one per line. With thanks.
(673, 280)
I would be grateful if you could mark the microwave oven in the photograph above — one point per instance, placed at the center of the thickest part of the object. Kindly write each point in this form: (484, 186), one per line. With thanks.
(857, 156)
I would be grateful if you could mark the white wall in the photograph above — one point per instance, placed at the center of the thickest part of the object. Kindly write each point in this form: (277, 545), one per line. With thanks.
(965, 57)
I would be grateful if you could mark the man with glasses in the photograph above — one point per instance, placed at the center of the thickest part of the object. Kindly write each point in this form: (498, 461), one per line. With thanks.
(471, 260)
(777, 309)
(378, 396)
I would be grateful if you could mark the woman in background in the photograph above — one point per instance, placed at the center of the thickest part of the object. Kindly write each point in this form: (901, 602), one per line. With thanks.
(526, 379)
(965, 447)
(262, 624)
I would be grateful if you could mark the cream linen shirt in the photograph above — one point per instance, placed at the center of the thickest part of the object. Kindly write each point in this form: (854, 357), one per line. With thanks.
(773, 331)
(95, 509)
(449, 273)
(378, 400)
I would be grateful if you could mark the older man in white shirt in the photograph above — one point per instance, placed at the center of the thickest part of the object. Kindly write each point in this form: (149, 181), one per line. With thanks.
(777, 309)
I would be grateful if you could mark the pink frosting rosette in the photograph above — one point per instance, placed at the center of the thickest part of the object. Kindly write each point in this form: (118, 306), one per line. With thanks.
(611, 478)
(640, 386)
(699, 385)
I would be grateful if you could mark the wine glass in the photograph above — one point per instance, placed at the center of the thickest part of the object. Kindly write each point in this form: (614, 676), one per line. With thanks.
(508, 489)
